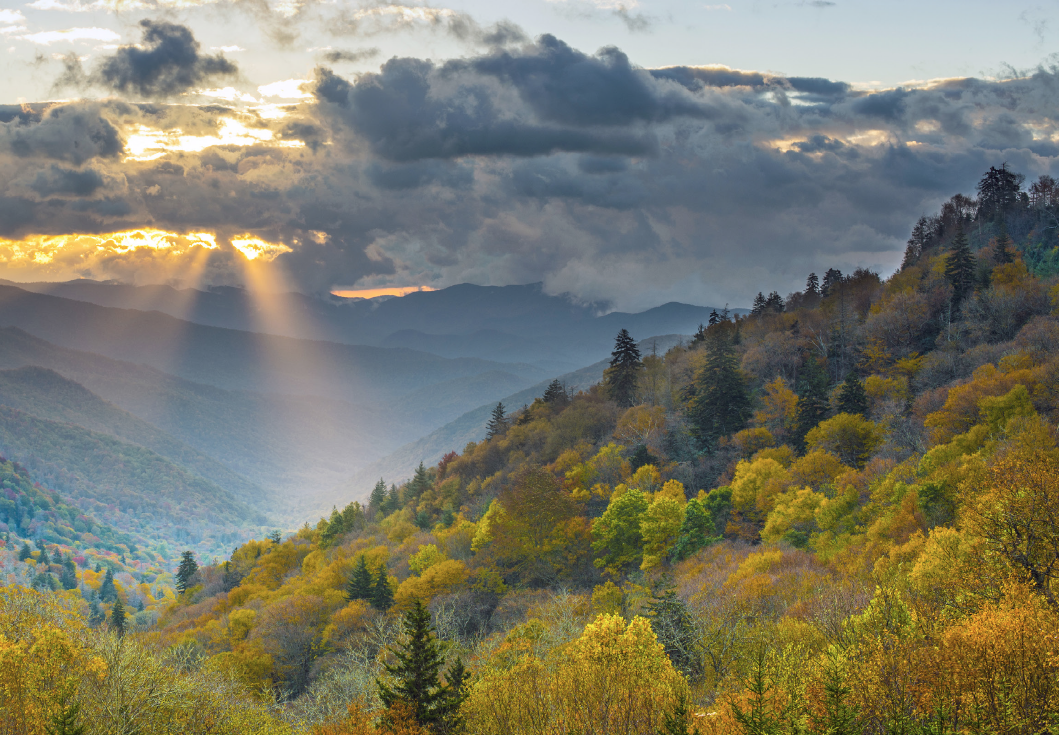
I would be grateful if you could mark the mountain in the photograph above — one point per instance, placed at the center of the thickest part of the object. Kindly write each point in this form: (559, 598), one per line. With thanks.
(520, 324)
(46, 394)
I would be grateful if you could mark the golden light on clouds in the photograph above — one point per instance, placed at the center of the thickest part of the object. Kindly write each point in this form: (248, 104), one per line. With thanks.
(254, 248)
(370, 293)
(146, 144)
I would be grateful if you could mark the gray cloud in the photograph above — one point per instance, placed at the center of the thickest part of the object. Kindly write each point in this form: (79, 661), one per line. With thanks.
(338, 55)
(170, 64)
(73, 133)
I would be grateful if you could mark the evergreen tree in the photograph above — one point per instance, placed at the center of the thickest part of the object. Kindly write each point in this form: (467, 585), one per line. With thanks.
(832, 280)
(107, 591)
(812, 284)
(378, 497)
(415, 677)
(998, 191)
(65, 722)
(360, 583)
(622, 377)
(1004, 251)
(44, 558)
(555, 394)
(775, 303)
(25, 552)
(714, 318)
(672, 623)
(381, 593)
(675, 720)
(393, 500)
(95, 611)
(812, 399)
(960, 268)
(68, 578)
(457, 689)
(721, 403)
(852, 398)
(187, 569)
(839, 717)
(497, 422)
(759, 304)
(275, 537)
(696, 531)
(117, 617)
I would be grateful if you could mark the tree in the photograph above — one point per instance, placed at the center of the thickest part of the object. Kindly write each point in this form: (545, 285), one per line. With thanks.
(25, 552)
(65, 722)
(187, 569)
(759, 304)
(622, 377)
(378, 497)
(720, 404)
(812, 284)
(960, 268)
(998, 191)
(360, 585)
(416, 674)
(853, 398)
(555, 394)
(381, 592)
(812, 399)
(44, 559)
(68, 577)
(775, 302)
(714, 318)
(696, 532)
(674, 627)
(617, 534)
(1003, 250)
(108, 592)
(497, 422)
(117, 617)
(832, 280)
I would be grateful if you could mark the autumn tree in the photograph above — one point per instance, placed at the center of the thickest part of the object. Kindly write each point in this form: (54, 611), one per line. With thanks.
(721, 402)
(187, 569)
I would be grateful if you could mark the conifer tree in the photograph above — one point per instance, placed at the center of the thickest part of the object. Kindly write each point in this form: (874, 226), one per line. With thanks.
(415, 677)
(960, 268)
(25, 552)
(759, 304)
(497, 422)
(852, 398)
(721, 404)
(107, 591)
(381, 593)
(1004, 251)
(377, 498)
(275, 537)
(65, 722)
(393, 500)
(674, 627)
(623, 375)
(44, 558)
(117, 617)
(555, 394)
(775, 302)
(832, 279)
(187, 569)
(812, 284)
(696, 531)
(714, 319)
(68, 578)
(360, 582)
(812, 399)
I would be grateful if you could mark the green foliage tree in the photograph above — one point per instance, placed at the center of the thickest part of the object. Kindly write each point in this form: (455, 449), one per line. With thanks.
(623, 376)
(25, 552)
(960, 268)
(617, 536)
(812, 285)
(812, 399)
(65, 722)
(68, 578)
(361, 584)
(838, 716)
(44, 558)
(381, 592)
(555, 394)
(497, 424)
(673, 626)
(721, 402)
(117, 617)
(377, 498)
(187, 569)
(853, 398)
(108, 592)
(696, 532)
(415, 676)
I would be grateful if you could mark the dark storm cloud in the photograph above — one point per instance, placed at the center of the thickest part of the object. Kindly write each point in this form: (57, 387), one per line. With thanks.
(170, 63)
(338, 55)
(537, 161)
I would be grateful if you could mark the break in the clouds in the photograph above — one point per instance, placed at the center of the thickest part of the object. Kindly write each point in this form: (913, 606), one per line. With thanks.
(528, 161)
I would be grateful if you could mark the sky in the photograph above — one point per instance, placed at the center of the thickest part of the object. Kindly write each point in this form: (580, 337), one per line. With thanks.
(623, 152)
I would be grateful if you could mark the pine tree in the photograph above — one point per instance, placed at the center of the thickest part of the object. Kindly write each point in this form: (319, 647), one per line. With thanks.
(555, 394)
(775, 303)
(275, 537)
(721, 403)
(25, 552)
(839, 717)
(117, 617)
(187, 569)
(696, 531)
(381, 593)
(714, 318)
(812, 399)
(457, 689)
(623, 375)
(759, 304)
(360, 583)
(393, 500)
(673, 626)
(65, 723)
(812, 284)
(852, 398)
(68, 578)
(378, 497)
(107, 591)
(1004, 250)
(44, 559)
(960, 268)
(415, 677)
(497, 422)
(832, 280)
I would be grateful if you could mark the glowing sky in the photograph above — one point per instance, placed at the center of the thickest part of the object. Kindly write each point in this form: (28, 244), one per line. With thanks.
(636, 152)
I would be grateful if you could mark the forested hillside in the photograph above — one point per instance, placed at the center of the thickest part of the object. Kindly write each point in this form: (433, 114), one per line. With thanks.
(839, 514)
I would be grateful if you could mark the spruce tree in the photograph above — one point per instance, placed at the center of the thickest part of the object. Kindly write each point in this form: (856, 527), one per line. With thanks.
(107, 591)
(555, 394)
(360, 583)
(960, 268)
(117, 617)
(1004, 251)
(721, 403)
(65, 722)
(623, 375)
(415, 677)
(44, 558)
(812, 399)
(832, 279)
(852, 398)
(187, 569)
(393, 500)
(381, 593)
(812, 284)
(673, 626)
(68, 578)
(759, 304)
(378, 497)
(25, 552)
(497, 424)
(714, 319)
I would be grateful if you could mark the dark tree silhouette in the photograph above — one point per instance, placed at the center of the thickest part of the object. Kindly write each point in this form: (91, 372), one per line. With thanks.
(721, 403)
(623, 375)
(852, 398)
(497, 422)
(960, 268)
(187, 569)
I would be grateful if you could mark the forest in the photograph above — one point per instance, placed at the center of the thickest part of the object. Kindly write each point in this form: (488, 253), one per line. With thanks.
(837, 514)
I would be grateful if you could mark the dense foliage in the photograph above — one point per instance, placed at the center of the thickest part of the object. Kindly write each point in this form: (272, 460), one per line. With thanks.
(839, 514)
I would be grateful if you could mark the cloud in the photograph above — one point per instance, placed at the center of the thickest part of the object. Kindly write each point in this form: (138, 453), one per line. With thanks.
(72, 34)
(169, 64)
(291, 89)
(74, 133)
(12, 17)
(335, 56)
(68, 182)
